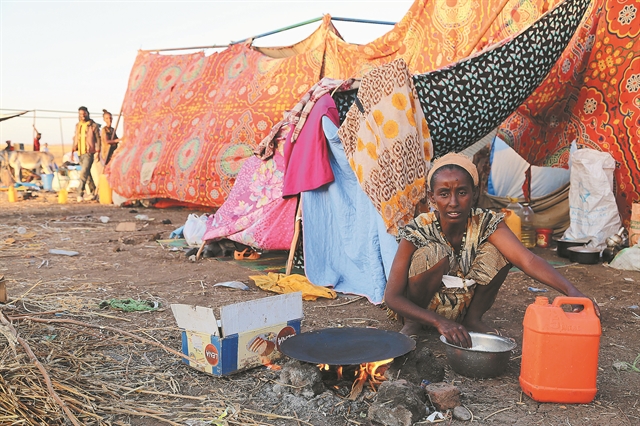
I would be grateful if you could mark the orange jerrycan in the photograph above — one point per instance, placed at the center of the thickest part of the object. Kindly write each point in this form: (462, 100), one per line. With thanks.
(560, 351)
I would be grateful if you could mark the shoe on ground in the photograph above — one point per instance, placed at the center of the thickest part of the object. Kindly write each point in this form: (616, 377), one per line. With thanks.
(89, 197)
(80, 199)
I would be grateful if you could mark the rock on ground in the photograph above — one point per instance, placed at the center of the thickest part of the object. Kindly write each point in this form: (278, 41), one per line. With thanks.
(461, 413)
(443, 395)
(304, 379)
(399, 403)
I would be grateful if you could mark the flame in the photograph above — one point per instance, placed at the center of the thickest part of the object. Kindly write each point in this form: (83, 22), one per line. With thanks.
(369, 371)
(376, 377)
(267, 363)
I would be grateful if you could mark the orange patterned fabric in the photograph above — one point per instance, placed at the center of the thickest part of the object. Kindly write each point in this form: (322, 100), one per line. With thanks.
(192, 120)
(592, 96)
(434, 34)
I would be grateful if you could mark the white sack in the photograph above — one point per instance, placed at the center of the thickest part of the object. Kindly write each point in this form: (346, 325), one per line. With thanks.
(627, 259)
(508, 169)
(194, 229)
(592, 206)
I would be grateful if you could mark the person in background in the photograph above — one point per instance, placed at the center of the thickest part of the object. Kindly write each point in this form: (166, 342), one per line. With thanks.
(109, 139)
(461, 242)
(86, 142)
(9, 147)
(45, 147)
(36, 139)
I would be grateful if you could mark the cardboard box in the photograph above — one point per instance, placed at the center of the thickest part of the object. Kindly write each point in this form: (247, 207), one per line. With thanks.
(248, 334)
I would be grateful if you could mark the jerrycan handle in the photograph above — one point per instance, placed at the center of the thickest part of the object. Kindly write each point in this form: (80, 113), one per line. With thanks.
(584, 301)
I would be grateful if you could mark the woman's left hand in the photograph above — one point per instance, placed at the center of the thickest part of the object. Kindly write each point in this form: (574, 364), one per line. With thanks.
(579, 308)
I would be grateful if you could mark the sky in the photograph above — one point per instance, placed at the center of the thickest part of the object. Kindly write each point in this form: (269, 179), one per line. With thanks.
(59, 55)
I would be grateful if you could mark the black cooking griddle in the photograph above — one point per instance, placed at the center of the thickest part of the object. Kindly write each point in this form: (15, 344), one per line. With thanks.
(347, 346)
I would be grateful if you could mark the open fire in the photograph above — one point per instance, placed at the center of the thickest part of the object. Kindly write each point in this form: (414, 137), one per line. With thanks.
(370, 372)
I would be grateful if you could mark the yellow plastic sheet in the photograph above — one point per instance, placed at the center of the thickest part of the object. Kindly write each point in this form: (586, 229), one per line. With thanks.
(281, 283)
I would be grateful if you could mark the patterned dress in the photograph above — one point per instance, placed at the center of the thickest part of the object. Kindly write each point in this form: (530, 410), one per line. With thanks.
(477, 259)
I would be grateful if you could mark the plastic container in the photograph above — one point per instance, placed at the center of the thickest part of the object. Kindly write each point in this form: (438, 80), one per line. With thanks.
(62, 196)
(60, 181)
(560, 351)
(47, 181)
(104, 190)
(528, 231)
(513, 217)
(543, 237)
(13, 194)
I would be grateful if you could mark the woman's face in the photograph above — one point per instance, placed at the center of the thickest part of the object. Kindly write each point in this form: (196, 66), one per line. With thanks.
(452, 194)
(107, 119)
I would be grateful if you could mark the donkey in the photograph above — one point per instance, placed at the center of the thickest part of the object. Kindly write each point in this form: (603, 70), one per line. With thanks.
(31, 160)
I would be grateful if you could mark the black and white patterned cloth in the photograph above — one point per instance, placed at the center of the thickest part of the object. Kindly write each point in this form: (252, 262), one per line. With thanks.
(465, 101)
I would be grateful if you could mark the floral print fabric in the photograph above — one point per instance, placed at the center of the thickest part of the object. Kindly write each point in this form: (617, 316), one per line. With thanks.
(387, 143)
(255, 213)
(206, 114)
(591, 96)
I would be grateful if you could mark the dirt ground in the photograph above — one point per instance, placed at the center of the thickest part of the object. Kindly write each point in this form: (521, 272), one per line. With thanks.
(106, 377)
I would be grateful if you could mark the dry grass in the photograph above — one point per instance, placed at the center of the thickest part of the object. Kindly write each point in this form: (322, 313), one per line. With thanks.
(101, 375)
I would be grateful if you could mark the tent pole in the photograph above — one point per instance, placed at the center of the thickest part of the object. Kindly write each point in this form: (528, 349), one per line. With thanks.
(61, 136)
(362, 21)
(215, 46)
(279, 30)
(199, 253)
(115, 129)
(34, 126)
(296, 236)
(43, 110)
(484, 30)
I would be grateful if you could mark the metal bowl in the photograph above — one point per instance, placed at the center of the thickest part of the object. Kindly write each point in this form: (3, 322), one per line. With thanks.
(488, 357)
(586, 255)
(563, 245)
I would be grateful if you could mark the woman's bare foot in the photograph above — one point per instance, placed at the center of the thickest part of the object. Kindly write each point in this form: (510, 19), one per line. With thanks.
(411, 328)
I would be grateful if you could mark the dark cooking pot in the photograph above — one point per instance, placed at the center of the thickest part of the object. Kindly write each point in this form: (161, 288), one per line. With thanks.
(588, 255)
(563, 245)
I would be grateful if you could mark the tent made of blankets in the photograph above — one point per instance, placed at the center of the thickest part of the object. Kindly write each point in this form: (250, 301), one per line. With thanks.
(377, 162)
(591, 96)
(192, 120)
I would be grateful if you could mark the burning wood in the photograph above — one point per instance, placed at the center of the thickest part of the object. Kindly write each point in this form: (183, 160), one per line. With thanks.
(371, 372)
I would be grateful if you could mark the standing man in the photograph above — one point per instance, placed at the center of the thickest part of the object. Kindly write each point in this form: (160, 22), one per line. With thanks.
(86, 142)
(36, 139)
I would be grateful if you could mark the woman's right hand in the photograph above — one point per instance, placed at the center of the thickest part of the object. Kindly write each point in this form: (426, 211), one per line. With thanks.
(455, 333)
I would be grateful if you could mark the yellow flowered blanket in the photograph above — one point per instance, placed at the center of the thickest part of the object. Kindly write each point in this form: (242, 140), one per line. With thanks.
(387, 142)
